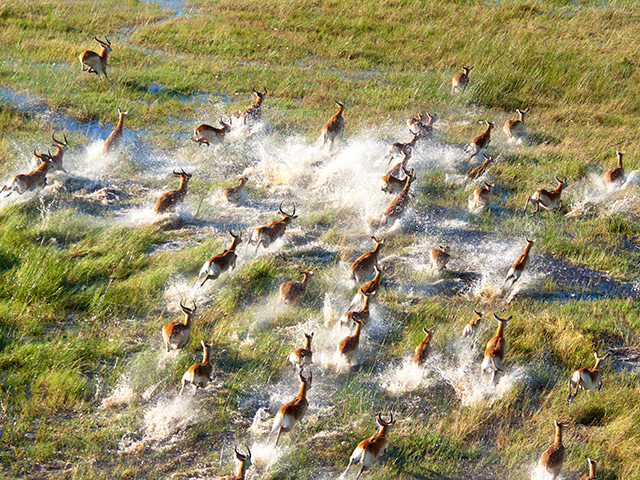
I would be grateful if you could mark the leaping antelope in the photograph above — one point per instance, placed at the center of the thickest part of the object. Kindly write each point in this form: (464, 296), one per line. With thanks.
(439, 258)
(292, 412)
(370, 288)
(592, 470)
(361, 315)
(423, 349)
(243, 462)
(221, 262)
(495, 351)
(549, 200)
(294, 291)
(254, 112)
(514, 128)
(479, 170)
(206, 134)
(334, 127)
(480, 142)
(553, 457)
(391, 182)
(363, 266)
(515, 272)
(302, 356)
(461, 80)
(370, 449)
(471, 327)
(170, 199)
(481, 197)
(114, 139)
(93, 62)
(615, 174)
(233, 193)
(402, 148)
(349, 344)
(56, 158)
(199, 374)
(36, 178)
(176, 334)
(417, 126)
(586, 378)
(268, 234)
(400, 201)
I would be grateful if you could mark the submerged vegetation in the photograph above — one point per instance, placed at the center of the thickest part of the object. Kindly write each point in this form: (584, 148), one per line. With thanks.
(89, 275)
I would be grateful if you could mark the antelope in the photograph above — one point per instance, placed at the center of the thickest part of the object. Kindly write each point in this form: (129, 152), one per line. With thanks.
(400, 148)
(363, 266)
(243, 462)
(549, 200)
(476, 172)
(349, 344)
(461, 80)
(233, 193)
(400, 201)
(418, 127)
(514, 129)
(292, 412)
(495, 351)
(221, 262)
(592, 470)
(553, 457)
(56, 158)
(423, 349)
(175, 334)
(334, 127)
(302, 356)
(439, 258)
(615, 174)
(481, 196)
(206, 134)
(586, 378)
(361, 315)
(199, 374)
(481, 141)
(369, 450)
(370, 288)
(294, 291)
(391, 181)
(268, 234)
(170, 199)
(254, 112)
(35, 178)
(515, 272)
(113, 140)
(93, 62)
(471, 327)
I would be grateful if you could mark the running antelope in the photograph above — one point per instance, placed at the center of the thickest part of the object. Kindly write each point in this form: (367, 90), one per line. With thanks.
(439, 258)
(370, 288)
(233, 193)
(471, 327)
(480, 142)
(461, 80)
(553, 457)
(206, 134)
(549, 200)
(294, 291)
(400, 201)
(254, 112)
(592, 470)
(586, 378)
(170, 199)
(391, 182)
(370, 449)
(417, 126)
(113, 140)
(36, 178)
(615, 174)
(268, 234)
(175, 334)
(363, 266)
(302, 356)
(481, 196)
(361, 315)
(479, 170)
(495, 351)
(334, 127)
(221, 262)
(515, 272)
(243, 462)
(56, 158)
(93, 62)
(349, 344)
(199, 374)
(292, 412)
(423, 349)
(402, 148)
(514, 129)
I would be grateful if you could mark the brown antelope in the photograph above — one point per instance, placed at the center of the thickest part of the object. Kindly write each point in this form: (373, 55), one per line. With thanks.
(294, 291)
(514, 129)
(480, 142)
(113, 140)
(361, 315)
(221, 262)
(268, 234)
(586, 378)
(515, 272)
(400, 201)
(349, 344)
(36, 178)
(439, 258)
(417, 126)
(334, 127)
(363, 266)
(615, 174)
(254, 112)
(175, 334)
(495, 351)
(93, 62)
(553, 457)
(391, 182)
(481, 196)
(233, 193)
(471, 327)
(199, 374)
(370, 288)
(423, 349)
(461, 80)
(479, 170)
(549, 200)
(370, 449)
(402, 148)
(243, 462)
(292, 412)
(592, 470)
(302, 356)
(170, 199)
(56, 158)
(206, 134)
